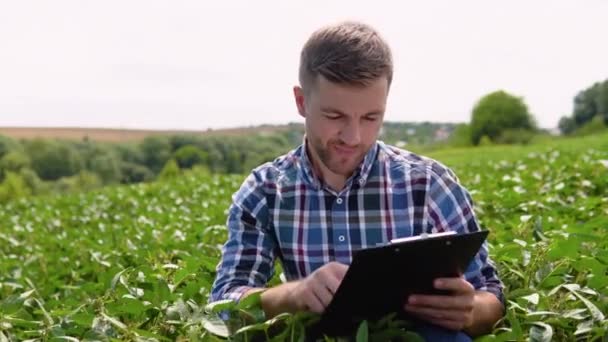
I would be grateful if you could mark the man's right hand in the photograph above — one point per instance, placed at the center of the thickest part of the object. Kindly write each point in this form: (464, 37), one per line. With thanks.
(312, 293)
(315, 292)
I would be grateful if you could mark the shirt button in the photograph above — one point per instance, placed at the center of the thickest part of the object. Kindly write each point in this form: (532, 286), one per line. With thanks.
(341, 238)
(339, 201)
(361, 181)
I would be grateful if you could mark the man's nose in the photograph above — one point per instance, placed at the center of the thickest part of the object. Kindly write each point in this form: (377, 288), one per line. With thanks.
(351, 134)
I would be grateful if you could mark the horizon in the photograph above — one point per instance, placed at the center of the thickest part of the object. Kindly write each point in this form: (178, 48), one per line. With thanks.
(195, 66)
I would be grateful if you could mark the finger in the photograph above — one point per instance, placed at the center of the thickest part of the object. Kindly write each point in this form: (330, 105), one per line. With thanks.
(446, 323)
(459, 285)
(442, 302)
(451, 325)
(314, 304)
(322, 293)
(332, 283)
(450, 315)
(338, 270)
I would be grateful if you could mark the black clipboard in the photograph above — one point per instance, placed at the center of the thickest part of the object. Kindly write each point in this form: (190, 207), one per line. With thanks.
(380, 279)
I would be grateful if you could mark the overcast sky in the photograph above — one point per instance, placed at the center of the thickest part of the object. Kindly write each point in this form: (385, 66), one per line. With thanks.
(212, 64)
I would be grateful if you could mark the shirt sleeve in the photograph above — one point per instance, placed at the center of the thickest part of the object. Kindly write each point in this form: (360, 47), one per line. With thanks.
(449, 207)
(248, 254)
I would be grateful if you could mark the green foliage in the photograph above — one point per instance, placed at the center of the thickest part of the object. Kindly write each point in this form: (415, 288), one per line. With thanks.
(156, 151)
(423, 133)
(566, 125)
(134, 173)
(83, 181)
(33, 182)
(461, 136)
(170, 170)
(14, 161)
(12, 187)
(107, 167)
(137, 262)
(596, 125)
(498, 112)
(53, 159)
(485, 141)
(515, 136)
(589, 103)
(7, 144)
(188, 155)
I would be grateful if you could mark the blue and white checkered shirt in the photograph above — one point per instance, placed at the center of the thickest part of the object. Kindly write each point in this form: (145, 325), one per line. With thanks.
(284, 210)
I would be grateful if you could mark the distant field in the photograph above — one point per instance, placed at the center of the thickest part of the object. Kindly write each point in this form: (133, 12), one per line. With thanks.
(121, 135)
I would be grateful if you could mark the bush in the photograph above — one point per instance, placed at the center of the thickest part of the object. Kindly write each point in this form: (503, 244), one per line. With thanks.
(497, 112)
(83, 181)
(134, 173)
(13, 187)
(188, 156)
(596, 125)
(33, 182)
(170, 170)
(156, 151)
(14, 161)
(515, 136)
(53, 160)
(7, 144)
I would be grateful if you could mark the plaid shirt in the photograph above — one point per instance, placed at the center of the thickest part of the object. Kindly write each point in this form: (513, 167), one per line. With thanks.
(284, 210)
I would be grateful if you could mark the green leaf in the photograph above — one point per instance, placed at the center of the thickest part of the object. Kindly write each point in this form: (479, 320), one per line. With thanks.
(362, 332)
(220, 305)
(251, 300)
(215, 326)
(117, 278)
(595, 312)
(541, 332)
(533, 298)
(130, 306)
(568, 248)
(514, 322)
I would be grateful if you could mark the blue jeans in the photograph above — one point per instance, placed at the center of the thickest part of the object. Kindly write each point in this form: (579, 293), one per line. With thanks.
(434, 333)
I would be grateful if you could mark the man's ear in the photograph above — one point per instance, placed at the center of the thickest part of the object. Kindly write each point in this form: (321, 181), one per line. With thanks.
(298, 94)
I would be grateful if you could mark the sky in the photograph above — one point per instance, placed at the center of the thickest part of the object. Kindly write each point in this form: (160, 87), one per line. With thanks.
(215, 64)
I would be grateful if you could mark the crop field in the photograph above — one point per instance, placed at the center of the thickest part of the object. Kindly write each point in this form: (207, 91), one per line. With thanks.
(136, 263)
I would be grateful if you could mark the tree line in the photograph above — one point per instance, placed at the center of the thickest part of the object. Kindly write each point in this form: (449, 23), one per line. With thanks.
(43, 166)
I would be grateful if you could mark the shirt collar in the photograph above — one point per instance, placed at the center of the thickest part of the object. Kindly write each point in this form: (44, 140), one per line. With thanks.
(362, 171)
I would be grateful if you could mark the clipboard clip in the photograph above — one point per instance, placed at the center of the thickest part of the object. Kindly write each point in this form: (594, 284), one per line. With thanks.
(422, 236)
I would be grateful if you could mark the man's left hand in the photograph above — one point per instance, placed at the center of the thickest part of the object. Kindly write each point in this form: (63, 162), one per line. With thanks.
(453, 311)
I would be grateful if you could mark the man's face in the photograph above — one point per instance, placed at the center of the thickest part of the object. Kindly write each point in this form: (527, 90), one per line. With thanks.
(342, 122)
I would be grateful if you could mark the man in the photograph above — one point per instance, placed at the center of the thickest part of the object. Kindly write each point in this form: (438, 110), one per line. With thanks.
(343, 190)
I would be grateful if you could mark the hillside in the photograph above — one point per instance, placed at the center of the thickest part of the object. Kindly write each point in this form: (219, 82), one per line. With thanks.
(418, 133)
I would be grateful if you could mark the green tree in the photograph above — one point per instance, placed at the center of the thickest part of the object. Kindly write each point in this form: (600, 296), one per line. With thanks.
(33, 182)
(187, 156)
(107, 167)
(566, 125)
(589, 103)
(14, 161)
(498, 112)
(7, 144)
(54, 159)
(156, 151)
(134, 173)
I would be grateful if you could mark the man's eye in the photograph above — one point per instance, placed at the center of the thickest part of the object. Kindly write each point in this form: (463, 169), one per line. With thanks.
(332, 117)
(371, 118)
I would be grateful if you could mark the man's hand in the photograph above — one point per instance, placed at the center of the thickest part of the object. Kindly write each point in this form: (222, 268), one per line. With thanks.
(312, 293)
(315, 292)
(453, 311)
